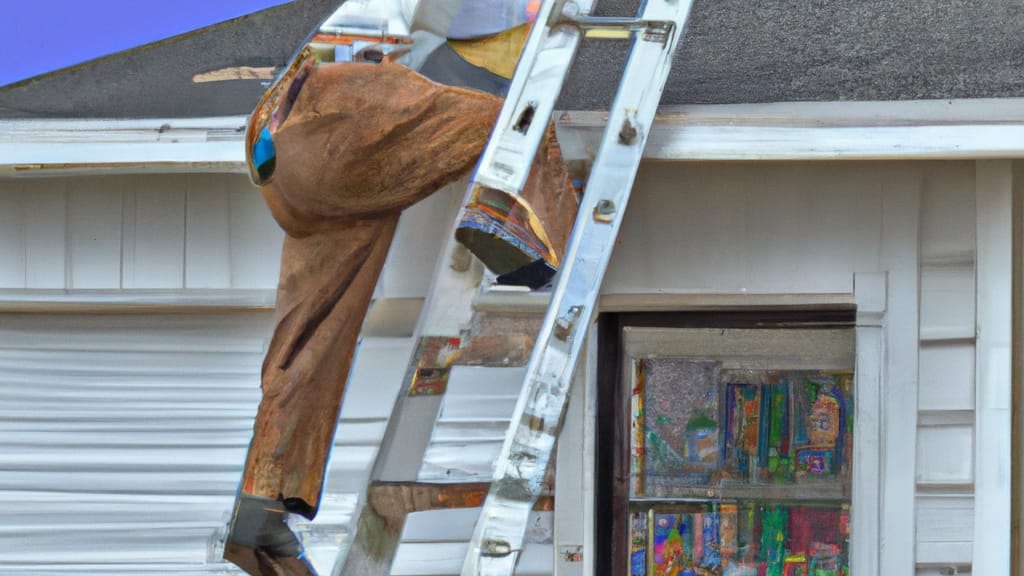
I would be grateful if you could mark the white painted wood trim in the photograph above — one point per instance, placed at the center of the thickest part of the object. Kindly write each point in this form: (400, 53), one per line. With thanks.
(119, 301)
(24, 160)
(589, 453)
(571, 473)
(928, 129)
(862, 113)
(503, 301)
(994, 197)
(683, 141)
(681, 301)
(1017, 379)
(71, 147)
(54, 130)
(871, 298)
(865, 511)
(898, 400)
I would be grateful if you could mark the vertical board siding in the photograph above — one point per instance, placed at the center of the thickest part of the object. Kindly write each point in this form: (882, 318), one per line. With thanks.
(255, 240)
(95, 218)
(157, 241)
(45, 221)
(166, 232)
(174, 232)
(12, 235)
(947, 213)
(122, 440)
(764, 228)
(207, 234)
(422, 234)
(900, 257)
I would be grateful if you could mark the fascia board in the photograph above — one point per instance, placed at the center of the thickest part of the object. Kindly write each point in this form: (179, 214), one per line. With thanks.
(69, 147)
(910, 130)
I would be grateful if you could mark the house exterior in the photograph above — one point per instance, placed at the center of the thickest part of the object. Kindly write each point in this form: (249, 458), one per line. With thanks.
(855, 160)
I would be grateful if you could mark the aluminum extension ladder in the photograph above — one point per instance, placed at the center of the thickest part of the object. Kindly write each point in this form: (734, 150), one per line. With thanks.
(505, 164)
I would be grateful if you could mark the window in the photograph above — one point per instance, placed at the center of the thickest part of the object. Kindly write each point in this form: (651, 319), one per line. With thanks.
(725, 443)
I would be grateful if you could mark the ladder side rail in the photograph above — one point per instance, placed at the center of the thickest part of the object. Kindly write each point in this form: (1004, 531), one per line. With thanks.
(525, 455)
(543, 65)
(556, 45)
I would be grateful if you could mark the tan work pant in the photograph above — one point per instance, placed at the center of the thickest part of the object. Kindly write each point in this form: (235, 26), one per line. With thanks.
(362, 143)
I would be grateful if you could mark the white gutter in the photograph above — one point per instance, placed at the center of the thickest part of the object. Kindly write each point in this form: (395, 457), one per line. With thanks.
(134, 301)
(908, 130)
(70, 147)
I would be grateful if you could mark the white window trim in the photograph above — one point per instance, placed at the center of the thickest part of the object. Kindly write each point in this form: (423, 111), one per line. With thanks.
(873, 349)
(992, 437)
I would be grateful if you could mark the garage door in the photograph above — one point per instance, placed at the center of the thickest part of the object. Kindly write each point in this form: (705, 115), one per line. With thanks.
(122, 439)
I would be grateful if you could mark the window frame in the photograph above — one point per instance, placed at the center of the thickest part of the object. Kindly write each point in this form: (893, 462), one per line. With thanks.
(611, 430)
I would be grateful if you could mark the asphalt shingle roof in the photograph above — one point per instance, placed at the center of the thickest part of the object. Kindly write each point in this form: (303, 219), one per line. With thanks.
(734, 51)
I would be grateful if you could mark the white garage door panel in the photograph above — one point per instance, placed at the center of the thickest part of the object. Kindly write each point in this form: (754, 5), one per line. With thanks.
(122, 438)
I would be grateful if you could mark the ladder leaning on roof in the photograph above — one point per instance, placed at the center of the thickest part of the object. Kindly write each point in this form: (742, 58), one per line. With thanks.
(505, 165)
(543, 65)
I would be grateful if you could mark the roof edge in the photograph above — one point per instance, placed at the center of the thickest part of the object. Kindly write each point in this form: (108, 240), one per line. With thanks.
(141, 48)
(883, 130)
(924, 129)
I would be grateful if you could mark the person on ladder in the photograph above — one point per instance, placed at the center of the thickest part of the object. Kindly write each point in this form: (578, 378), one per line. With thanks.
(340, 145)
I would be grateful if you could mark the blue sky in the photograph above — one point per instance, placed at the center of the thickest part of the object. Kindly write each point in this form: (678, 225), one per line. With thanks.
(39, 36)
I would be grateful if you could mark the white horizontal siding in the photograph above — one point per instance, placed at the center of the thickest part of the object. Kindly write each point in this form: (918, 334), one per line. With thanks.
(472, 424)
(944, 471)
(947, 375)
(124, 436)
(947, 302)
(943, 454)
(945, 530)
(434, 543)
(122, 440)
